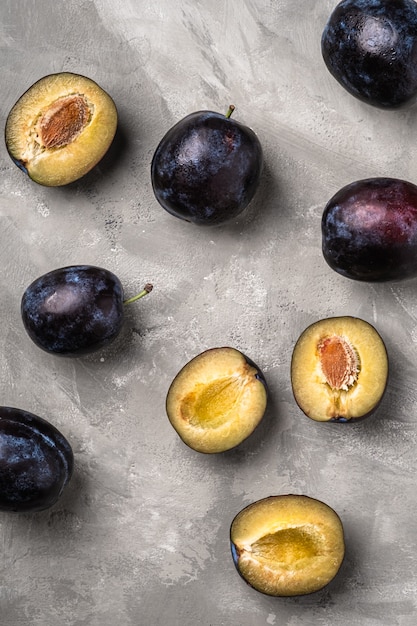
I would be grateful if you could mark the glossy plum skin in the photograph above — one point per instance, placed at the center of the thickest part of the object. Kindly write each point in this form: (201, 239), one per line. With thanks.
(370, 47)
(36, 461)
(74, 310)
(369, 230)
(207, 168)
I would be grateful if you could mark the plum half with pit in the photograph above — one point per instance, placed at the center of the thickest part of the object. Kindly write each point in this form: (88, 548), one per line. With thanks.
(207, 168)
(60, 128)
(369, 230)
(370, 48)
(339, 370)
(287, 545)
(36, 461)
(75, 310)
(216, 400)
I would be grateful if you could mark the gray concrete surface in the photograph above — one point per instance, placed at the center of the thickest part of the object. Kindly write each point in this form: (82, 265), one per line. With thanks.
(140, 538)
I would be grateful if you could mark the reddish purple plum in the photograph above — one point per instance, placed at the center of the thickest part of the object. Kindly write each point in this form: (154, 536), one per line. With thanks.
(369, 230)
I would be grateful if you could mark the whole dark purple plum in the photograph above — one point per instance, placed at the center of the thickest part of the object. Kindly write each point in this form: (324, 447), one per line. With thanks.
(74, 310)
(369, 230)
(36, 461)
(207, 168)
(370, 47)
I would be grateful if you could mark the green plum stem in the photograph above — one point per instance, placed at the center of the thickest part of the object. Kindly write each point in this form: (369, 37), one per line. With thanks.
(230, 111)
(147, 289)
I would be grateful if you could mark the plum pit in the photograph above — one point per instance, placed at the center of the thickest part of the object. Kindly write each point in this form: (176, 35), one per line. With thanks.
(63, 121)
(339, 362)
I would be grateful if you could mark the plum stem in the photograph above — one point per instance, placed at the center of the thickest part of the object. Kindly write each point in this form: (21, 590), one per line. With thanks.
(230, 110)
(147, 289)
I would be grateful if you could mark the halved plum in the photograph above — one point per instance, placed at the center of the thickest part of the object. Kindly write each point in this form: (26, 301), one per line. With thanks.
(339, 370)
(60, 128)
(287, 545)
(216, 400)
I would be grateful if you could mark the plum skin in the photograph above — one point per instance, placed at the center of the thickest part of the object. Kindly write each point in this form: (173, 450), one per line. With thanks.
(206, 169)
(74, 310)
(369, 230)
(36, 461)
(370, 48)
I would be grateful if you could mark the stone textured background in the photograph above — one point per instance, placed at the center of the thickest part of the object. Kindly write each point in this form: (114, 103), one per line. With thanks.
(140, 537)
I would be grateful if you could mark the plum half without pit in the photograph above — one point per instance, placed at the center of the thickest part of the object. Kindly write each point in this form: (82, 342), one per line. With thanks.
(207, 168)
(339, 370)
(75, 310)
(216, 400)
(287, 545)
(60, 128)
